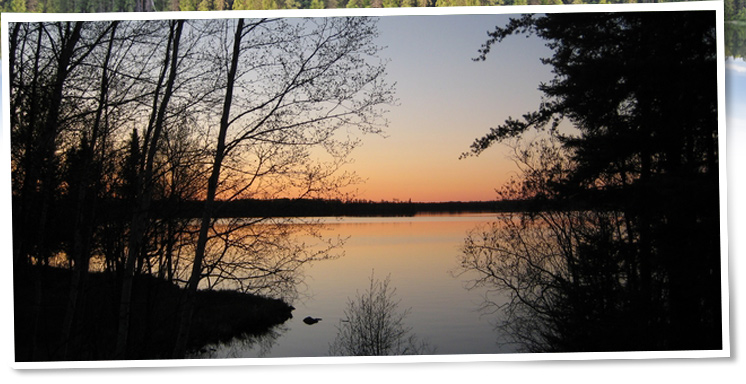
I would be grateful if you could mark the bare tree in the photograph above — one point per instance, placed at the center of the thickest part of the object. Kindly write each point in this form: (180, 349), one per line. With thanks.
(645, 160)
(289, 87)
(62, 131)
(144, 118)
(374, 326)
(144, 188)
(541, 268)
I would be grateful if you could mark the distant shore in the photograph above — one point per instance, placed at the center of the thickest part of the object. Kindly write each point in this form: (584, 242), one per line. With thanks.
(120, 210)
(317, 208)
(338, 208)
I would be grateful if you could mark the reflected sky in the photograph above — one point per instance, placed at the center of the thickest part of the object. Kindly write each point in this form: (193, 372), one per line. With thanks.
(418, 255)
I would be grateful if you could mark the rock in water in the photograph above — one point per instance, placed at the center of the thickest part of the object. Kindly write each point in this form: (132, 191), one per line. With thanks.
(311, 320)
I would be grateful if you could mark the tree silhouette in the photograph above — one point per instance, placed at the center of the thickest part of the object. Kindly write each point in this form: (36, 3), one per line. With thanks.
(120, 141)
(640, 90)
(288, 88)
(374, 326)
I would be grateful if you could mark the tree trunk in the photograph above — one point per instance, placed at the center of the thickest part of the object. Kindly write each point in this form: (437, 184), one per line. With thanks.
(85, 204)
(145, 186)
(51, 130)
(187, 307)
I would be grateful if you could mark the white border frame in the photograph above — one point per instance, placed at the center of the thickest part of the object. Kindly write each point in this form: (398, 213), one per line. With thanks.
(5, 188)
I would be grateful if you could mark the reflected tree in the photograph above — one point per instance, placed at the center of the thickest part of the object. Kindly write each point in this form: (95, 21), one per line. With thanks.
(124, 153)
(288, 87)
(621, 249)
(240, 344)
(561, 269)
(374, 325)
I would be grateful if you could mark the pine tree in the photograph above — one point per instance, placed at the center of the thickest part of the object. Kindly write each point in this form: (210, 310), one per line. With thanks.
(18, 6)
(647, 146)
(292, 4)
(205, 5)
(187, 5)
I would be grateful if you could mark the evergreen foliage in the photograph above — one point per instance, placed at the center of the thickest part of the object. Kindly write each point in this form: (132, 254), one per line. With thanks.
(640, 268)
(734, 9)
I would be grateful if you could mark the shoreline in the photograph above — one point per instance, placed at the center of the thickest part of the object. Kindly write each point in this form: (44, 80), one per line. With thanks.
(41, 295)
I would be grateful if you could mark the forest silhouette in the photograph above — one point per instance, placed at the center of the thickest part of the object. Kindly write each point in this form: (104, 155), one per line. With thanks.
(118, 126)
(639, 269)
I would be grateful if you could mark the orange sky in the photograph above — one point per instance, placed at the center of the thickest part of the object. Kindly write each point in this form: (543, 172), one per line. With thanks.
(446, 101)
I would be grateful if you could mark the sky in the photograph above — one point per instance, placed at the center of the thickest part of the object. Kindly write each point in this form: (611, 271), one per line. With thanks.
(735, 108)
(446, 101)
(735, 81)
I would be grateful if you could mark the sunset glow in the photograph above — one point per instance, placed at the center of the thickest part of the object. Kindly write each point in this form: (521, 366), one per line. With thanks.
(260, 185)
(446, 100)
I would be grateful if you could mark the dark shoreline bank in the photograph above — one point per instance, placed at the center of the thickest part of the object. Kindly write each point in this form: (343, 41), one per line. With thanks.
(219, 316)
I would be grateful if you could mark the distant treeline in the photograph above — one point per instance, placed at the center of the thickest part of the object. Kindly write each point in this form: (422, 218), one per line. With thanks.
(735, 10)
(319, 207)
(329, 208)
(192, 209)
(219, 5)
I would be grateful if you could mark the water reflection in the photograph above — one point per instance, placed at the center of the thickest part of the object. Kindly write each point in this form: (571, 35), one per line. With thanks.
(417, 253)
(602, 279)
(237, 347)
(560, 271)
(373, 325)
(735, 39)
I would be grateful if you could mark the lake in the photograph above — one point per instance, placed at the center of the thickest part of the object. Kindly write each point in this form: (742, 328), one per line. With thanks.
(417, 253)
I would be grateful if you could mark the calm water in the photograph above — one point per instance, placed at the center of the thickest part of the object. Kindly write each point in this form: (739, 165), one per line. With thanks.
(417, 253)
